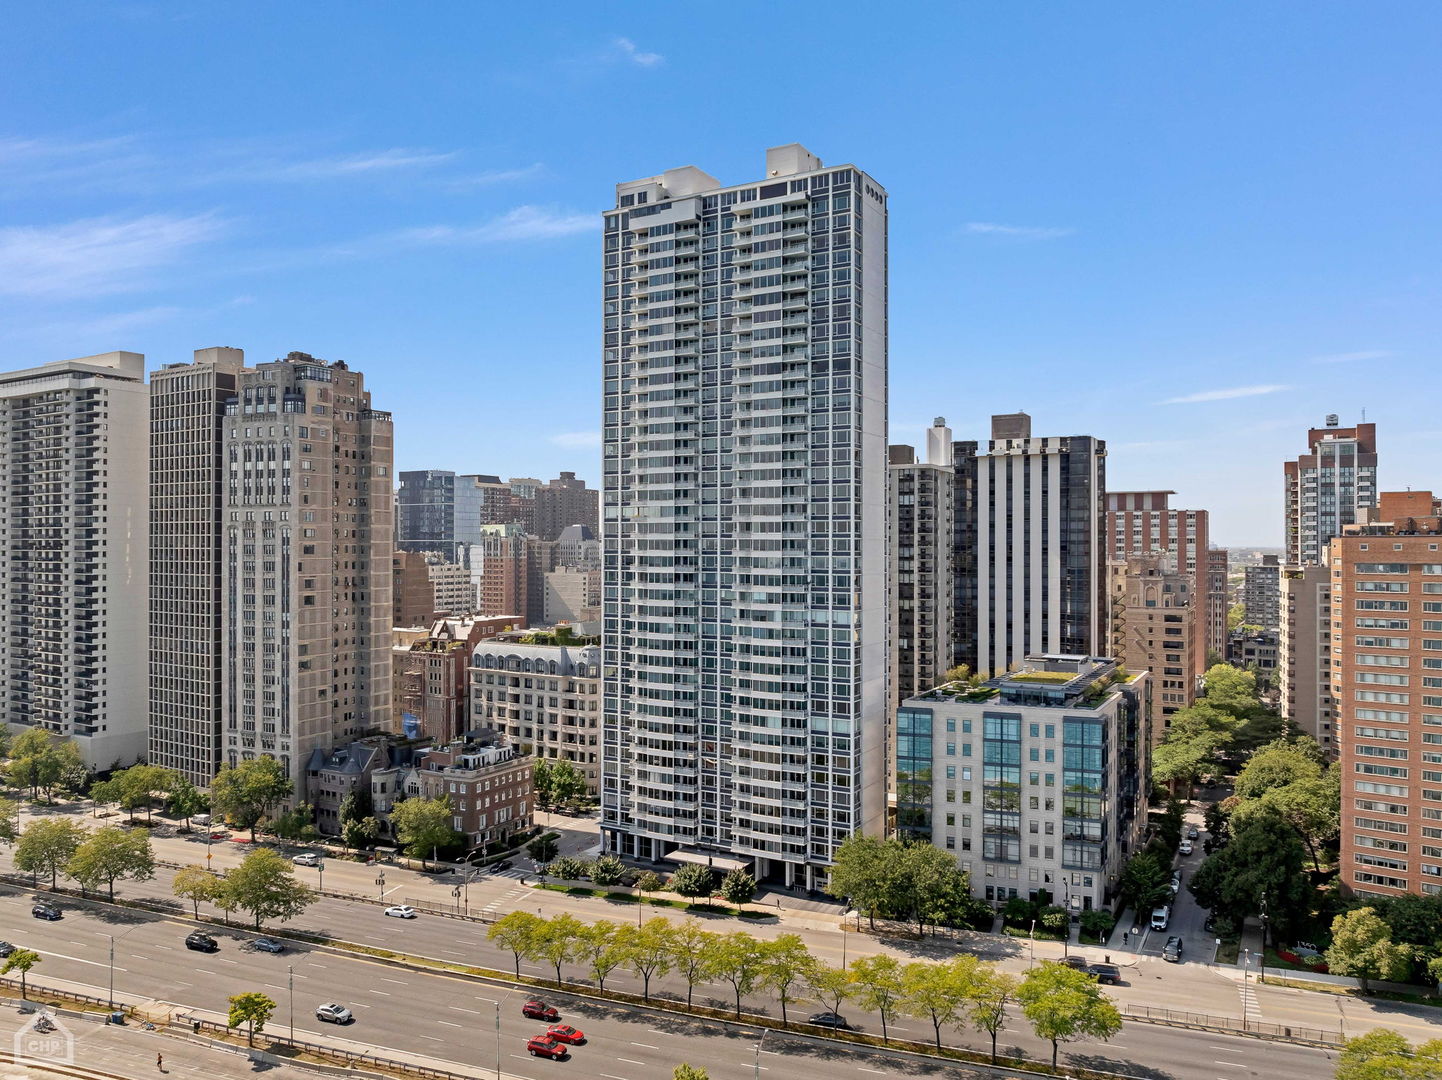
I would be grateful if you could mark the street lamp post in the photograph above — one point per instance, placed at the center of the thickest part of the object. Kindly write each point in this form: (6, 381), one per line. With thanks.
(290, 973)
(498, 1005)
(843, 943)
(381, 884)
(1066, 930)
(110, 986)
(1033, 941)
(759, 1043)
(320, 871)
(1262, 953)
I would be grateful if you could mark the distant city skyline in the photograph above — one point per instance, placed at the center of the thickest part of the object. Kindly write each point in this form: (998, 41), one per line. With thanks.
(1134, 225)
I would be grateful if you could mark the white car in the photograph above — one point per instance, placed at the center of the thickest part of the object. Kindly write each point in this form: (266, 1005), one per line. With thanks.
(333, 1013)
(306, 858)
(401, 911)
(1186, 848)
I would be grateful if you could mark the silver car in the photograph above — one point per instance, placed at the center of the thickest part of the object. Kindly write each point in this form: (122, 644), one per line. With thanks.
(332, 1013)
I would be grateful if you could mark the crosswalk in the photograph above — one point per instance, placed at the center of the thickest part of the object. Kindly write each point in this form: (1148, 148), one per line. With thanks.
(504, 903)
(1250, 1009)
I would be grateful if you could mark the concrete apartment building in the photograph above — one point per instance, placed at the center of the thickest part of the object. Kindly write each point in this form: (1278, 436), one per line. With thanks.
(413, 598)
(452, 587)
(571, 595)
(1161, 627)
(1143, 523)
(744, 448)
(510, 569)
(1326, 487)
(1304, 653)
(545, 700)
(1262, 594)
(923, 519)
(565, 502)
(1036, 781)
(1387, 682)
(1041, 577)
(1219, 601)
(578, 547)
(431, 677)
(74, 530)
(307, 572)
(187, 490)
(488, 785)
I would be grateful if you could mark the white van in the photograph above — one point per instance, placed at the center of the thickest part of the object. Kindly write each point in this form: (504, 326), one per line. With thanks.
(1161, 917)
(200, 819)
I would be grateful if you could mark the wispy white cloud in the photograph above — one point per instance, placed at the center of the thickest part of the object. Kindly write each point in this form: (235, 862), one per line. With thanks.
(1224, 395)
(629, 51)
(578, 439)
(1015, 232)
(1351, 357)
(393, 160)
(96, 255)
(497, 176)
(522, 223)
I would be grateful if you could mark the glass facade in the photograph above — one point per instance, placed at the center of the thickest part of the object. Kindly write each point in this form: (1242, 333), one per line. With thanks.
(914, 773)
(1001, 788)
(1084, 792)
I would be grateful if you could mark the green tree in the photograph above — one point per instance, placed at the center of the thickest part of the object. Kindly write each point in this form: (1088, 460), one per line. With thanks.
(864, 875)
(196, 883)
(1063, 1004)
(560, 941)
(46, 847)
(602, 950)
(184, 799)
(41, 762)
(689, 1072)
(926, 885)
(959, 673)
(21, 960)
(264, 884)
(987, 1003)
(1265, 864)
(357, 805)
(1383, 1054)
(252, 1009)
(1097, 922)
(1235, 614)
(785, 965)
(557, 782)
(831, 985)
(9, 820)
(296, 823)
(1277, 765)
(1311, 806)
(569, 868)
(738, 887)
(360, 833)
(740, 960)
(879, 986)
(1230, 689)
(247, 792)
(110, 854)
(939, 992)
(71, 774)
(692, 955)
(543, 849)
(518, 931)
(649, 951)
(650, 881)
(1362, 947)
(140, 785)
(423, 826)
(693, 881)
(608, 870)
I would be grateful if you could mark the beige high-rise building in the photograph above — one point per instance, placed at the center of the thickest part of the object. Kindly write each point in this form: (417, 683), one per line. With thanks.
(187, 489)
(922, 519)
(1218, 601)
(1160, 623)
(74, 553)
(307, 569)
(1328, 487)
(1304, 653)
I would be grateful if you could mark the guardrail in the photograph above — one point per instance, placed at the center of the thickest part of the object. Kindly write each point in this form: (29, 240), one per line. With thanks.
(1241, 1026)
(347, 1057)
(32, 987)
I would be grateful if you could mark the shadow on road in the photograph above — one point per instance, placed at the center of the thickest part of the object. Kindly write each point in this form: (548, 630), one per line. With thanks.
(1105, 1063)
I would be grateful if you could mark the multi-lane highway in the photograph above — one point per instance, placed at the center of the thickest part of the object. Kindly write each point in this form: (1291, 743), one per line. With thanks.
(452, 1019)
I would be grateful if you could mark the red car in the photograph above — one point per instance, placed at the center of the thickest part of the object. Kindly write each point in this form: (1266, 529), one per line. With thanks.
(539, 1010)
(545, 1046)
(567, 1034)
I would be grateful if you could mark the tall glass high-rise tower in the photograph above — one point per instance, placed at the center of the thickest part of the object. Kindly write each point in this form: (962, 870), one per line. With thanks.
(744, 522)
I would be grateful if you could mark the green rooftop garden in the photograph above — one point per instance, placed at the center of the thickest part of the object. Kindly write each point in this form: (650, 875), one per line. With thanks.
(1055, 677)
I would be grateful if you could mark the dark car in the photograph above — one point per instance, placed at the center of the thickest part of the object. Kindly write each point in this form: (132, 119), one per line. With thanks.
(545, 1046)
(1105, 973)
(831, 1020)
(496, 868)
(43, 910)
(1192, 833)
(539, 1010)
(6, 949)
(1077, 962)
(1172, 950)
(201, 942)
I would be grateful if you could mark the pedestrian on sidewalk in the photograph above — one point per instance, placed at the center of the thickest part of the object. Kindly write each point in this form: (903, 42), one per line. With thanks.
(160, 1062)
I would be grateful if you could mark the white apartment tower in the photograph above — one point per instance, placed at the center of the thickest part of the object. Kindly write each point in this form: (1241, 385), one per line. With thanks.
(1327, 486)
(308, 526)
(73, 530)
(1040, 564)
(744, 524)
(187, 489)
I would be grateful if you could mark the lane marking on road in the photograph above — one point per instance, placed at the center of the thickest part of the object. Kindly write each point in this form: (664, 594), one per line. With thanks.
(432, 1038)
(382, 993)
(646, 1046)
(398, 982)
(167, 948)
(223, 960)
(1230, 1064)
(863, 1068)
(77, 959)
(608, 1076)
(273, 986)
(629, 1061)
(450, 1023)
(457, 1008)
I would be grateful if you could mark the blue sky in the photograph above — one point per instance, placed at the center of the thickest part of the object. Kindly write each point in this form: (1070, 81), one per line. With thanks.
(1190, 230)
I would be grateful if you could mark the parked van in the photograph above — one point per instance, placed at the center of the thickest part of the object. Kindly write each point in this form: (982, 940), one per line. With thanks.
(200, 819)
(1161, 917)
